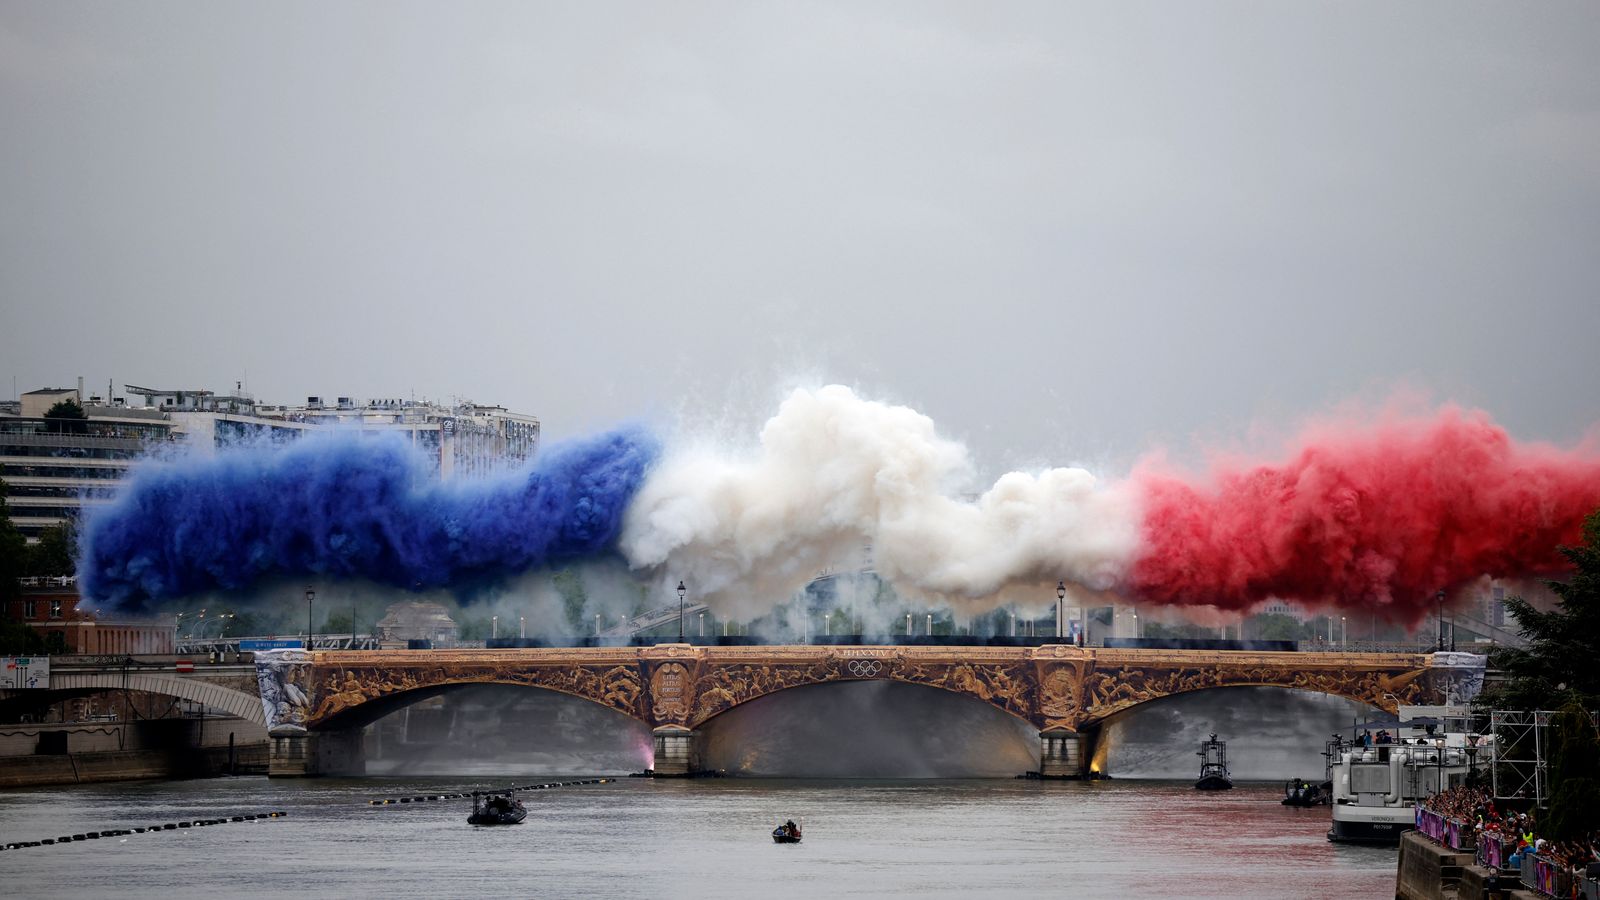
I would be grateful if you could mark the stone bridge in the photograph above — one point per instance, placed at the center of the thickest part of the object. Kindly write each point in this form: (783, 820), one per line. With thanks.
(319, 701)
(228, 688)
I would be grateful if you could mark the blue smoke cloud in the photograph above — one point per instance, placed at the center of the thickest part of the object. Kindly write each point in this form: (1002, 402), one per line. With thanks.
(347, 506)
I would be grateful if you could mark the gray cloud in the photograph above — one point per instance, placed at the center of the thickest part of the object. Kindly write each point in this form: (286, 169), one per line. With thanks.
(1064, 231)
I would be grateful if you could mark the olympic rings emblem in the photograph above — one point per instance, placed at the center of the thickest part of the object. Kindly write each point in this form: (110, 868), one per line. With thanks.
(865, 668)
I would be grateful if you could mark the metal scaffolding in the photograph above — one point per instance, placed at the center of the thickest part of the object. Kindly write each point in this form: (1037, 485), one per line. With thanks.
(1517, 763)
(1520, 751)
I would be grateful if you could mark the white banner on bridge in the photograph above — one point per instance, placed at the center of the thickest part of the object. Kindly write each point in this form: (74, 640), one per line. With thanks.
(24, 672)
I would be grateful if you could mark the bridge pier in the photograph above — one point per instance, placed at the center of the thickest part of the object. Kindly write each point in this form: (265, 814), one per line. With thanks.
(1065, 754)
(308, 754)
(677, 751)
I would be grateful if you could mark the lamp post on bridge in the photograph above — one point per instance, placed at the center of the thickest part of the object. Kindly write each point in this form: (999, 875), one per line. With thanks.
(1061, 599)
(1438, 618)
(494, 628)
(682, 592)
(311, 634)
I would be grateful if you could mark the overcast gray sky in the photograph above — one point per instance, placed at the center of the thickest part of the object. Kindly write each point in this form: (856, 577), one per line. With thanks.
(1065, 231)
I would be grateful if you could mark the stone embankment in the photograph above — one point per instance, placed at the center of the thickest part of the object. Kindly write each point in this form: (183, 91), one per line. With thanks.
(34, 755)
(1428, 871)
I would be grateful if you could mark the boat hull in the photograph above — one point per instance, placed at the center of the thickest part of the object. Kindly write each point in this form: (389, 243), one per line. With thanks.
(1214, 783)
(1387, 833)
(513, 818)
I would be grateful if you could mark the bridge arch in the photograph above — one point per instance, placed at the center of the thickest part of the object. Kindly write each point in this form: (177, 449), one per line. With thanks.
(727, 688)
(336, 713)
(865, 729)
(352, 695)
(1107, 693)
(235, 702)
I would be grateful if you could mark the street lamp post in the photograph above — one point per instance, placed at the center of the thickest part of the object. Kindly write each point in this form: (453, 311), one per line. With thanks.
(1438, 618)
(702, 624)
(682, 592)
(827, 623)
(522, 626)
(1061, 599)
(494, 627)
(311, 634)
(908, 624)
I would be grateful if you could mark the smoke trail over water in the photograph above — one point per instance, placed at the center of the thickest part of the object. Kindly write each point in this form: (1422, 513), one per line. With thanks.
(834, 473)
(1367, 516)
(348, 507)
(1379, 517)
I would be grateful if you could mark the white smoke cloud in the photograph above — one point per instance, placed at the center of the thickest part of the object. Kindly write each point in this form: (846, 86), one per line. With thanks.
(837, 476)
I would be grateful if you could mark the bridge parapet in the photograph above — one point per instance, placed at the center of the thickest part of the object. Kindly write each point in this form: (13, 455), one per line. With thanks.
(677, 684)
(677, 688)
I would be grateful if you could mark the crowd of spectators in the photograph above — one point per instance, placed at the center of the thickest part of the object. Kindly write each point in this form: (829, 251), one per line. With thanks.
(1515, 829)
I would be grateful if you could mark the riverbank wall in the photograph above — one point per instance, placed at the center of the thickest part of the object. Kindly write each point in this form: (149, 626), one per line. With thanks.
(78, 753)
(1427, 871)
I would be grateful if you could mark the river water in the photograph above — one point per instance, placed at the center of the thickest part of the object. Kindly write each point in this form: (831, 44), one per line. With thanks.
(702, 838)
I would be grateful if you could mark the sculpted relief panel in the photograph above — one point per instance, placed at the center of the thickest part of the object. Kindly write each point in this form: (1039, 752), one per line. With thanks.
(723, 687)
(1108, 692)
(343, 688)
(1052, 687)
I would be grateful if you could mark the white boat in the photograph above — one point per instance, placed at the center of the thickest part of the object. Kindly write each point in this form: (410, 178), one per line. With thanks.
(1376, 788)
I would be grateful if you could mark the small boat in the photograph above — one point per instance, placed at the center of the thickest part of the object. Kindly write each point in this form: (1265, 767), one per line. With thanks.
(1300, 792)
(501, 809)
(1213, 765)
(787, 833)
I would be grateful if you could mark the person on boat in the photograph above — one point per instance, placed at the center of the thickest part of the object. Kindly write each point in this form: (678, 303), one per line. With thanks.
(791, 828)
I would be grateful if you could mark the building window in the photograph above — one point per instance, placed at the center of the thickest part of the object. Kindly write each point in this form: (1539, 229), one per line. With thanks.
(30, 609)
(55, 609)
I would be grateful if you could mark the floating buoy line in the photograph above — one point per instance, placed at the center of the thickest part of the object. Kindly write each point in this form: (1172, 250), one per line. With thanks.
(151, 829)
(460, 795)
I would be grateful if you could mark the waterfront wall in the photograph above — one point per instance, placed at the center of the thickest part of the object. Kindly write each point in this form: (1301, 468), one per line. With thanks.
(1427, 871)
(133, 765)
(124, 751)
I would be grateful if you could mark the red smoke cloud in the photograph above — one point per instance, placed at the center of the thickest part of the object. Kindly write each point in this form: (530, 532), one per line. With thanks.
(1380, 517)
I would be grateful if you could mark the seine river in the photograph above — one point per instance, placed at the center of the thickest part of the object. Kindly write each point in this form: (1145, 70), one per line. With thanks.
(704, 838)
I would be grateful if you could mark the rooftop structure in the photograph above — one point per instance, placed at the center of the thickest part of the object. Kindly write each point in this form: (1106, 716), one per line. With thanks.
(53, 468)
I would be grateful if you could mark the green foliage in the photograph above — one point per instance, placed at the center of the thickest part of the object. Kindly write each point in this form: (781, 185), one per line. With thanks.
(17, 639)
(67, 417)
(1557, 665)
(66, 409)
(13, 552)
(1179, 630)
(574, 599)
(55, 643)
(1278, 627)
(338, 622)
(56, 553)
(1575, 774)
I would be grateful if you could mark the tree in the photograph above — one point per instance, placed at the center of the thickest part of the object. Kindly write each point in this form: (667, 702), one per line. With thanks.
(13, 553)
(1278, 627)
(574, 599)
(56, 553)
(67, 416)
(1557, 665)
(17, 639)
(1575, 776)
